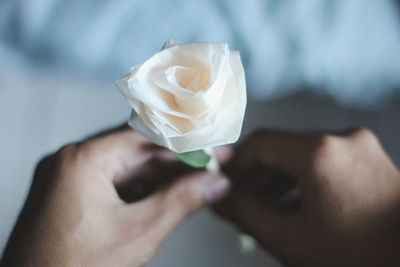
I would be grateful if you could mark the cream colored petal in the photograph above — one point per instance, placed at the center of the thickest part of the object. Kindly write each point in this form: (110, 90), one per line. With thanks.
(194, 104)
(188, 96)
(169, 81)
(123, 85)
(187, 102)
(180, 125)
(228, 126)
(200, 56)
(138, 124)
(154, 97)
(233, 126)
(197, 140)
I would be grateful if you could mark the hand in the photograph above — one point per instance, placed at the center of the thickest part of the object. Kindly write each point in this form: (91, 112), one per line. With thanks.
(347, 212)
(75, 217)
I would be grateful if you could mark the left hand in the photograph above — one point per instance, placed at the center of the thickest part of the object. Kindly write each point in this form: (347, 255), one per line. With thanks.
(75, 217)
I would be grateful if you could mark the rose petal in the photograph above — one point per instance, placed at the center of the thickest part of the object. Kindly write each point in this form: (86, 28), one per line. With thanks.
(188, 96)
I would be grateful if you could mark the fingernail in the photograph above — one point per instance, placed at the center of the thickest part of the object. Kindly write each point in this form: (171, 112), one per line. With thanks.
(215, 187)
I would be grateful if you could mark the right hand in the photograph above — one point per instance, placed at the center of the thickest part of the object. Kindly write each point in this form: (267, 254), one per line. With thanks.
(349, 202)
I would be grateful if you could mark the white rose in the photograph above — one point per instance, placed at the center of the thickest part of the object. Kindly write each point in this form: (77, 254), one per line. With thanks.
(188, 97)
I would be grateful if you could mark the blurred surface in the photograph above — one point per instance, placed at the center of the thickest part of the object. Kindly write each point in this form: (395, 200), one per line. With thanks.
(349, 49)
(39, 113)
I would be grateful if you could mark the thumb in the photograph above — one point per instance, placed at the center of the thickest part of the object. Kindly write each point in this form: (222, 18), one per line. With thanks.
(187, 194)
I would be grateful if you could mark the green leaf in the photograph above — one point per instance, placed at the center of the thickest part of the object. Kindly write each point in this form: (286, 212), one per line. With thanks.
(196, 159)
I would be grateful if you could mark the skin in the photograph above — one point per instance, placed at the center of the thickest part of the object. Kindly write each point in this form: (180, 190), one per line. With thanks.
(81, 210)
(74, 215)
(346, 212)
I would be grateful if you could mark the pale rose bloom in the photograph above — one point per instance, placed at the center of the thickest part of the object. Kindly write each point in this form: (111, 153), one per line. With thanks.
(188, 96)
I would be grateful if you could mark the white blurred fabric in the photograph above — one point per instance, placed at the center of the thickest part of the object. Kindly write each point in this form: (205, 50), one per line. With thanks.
(349, 49)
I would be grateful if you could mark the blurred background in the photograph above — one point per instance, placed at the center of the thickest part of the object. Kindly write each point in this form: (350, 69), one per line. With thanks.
(310, 65)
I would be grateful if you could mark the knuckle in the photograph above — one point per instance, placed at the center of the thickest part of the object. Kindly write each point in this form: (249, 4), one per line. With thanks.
(325, 152)
(186, 197)
(66, 157)
(87, 152)
(67, 151)
(365, 135)
(54, 166)
(325, 146)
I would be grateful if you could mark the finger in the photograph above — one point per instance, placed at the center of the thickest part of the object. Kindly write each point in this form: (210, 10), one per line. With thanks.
(118, 152)
(275, 147)
(172, 205)
(279, 151)
(155, 174)
(162, 169)
(273, 230)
